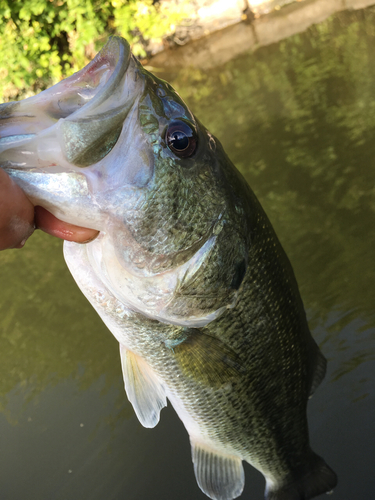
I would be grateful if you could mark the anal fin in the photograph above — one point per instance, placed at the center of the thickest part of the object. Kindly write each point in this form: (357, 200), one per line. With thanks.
(220, 477)
(144, 390)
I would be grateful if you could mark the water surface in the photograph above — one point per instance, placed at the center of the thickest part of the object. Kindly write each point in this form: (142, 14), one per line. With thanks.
(298, 120)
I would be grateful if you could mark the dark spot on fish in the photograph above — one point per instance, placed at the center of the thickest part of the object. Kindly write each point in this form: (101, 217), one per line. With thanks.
(239, 275)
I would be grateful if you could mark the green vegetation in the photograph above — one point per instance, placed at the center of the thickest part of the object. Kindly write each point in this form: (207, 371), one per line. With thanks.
(43, 41)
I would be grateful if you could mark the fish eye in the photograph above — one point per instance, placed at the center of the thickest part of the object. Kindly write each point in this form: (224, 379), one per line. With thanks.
(181, 139)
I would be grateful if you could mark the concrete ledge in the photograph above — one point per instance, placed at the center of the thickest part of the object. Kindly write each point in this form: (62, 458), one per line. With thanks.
(254, 32)
(272, 20)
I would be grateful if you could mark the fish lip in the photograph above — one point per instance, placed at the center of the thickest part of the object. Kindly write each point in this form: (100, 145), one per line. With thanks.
(37, 149)
(117, 50)
(83, 94)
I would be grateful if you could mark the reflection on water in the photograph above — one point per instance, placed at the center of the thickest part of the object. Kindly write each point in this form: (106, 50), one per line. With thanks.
(48, 330)
(298, 119)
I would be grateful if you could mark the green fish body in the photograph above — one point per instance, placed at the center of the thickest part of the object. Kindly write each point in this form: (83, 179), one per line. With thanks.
(187, 272)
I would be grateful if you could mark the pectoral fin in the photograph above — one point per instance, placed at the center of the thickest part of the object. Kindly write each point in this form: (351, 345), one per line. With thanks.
(144, 390)
(221, 477)
(207, 359)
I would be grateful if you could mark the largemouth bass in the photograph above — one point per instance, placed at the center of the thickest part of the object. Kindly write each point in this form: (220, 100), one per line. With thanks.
(187, 272)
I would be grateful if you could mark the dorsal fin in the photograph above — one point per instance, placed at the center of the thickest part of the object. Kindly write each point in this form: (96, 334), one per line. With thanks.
(319, 370)
(143, 388)
(221, 477)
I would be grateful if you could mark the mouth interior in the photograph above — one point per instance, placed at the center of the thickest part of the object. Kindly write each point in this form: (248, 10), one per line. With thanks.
(52, 128)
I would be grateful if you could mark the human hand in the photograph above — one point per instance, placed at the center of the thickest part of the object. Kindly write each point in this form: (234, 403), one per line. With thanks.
(19, 218)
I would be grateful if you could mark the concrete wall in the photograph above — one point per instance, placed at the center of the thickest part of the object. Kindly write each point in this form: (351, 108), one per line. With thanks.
(242, 36)
(285, 18)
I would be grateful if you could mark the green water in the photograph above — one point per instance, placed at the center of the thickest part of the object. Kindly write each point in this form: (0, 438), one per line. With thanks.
(298, 119)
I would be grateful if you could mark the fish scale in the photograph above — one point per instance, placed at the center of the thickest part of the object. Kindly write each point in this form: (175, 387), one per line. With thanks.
(187, 272)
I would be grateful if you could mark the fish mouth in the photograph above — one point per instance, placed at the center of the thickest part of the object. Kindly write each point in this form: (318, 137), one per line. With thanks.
(75, 123)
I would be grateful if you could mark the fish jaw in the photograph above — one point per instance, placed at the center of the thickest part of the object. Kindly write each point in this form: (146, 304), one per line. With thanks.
(59, 145)
(93, 150)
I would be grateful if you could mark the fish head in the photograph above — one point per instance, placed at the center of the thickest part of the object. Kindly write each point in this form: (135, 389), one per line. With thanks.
(116, 149)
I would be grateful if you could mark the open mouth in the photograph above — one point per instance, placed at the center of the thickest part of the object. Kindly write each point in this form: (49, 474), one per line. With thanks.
(76, 122)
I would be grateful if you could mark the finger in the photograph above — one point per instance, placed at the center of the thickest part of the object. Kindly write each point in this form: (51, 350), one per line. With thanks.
(16, 214)
(50, 224)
